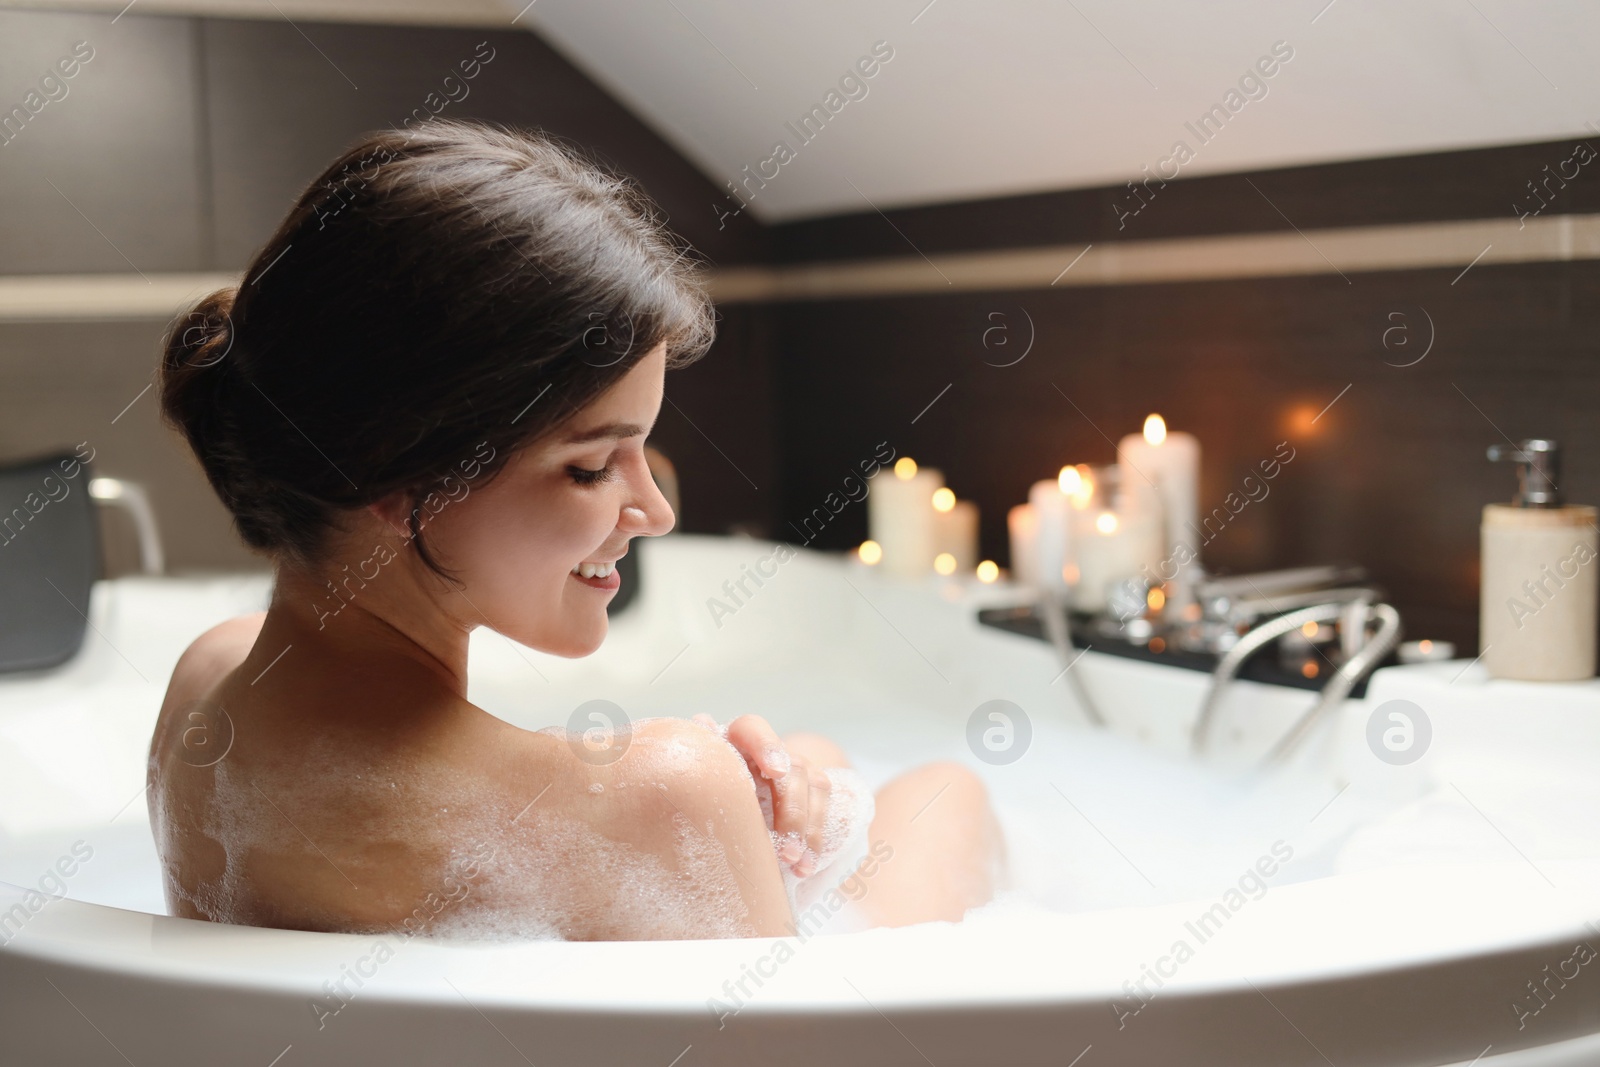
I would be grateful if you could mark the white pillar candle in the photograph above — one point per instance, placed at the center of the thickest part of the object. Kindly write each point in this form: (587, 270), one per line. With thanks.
(955, 529)
(1109, 547)
(1022, 523)
(1171, 462)
(1050, 553)
(900, 517)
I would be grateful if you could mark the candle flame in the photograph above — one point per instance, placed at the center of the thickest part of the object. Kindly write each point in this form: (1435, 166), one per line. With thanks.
(1070, 480)
(1424, 646)
(943, 499)
(1086, 492)
(988, 571)
(870, 552)
(905, 468)
(1155, 429)
(944, 563)
(1106, 523)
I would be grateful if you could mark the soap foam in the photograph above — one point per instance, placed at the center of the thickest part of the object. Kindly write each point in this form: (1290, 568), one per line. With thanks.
(536, 873)
(558, 878)
(851, 807)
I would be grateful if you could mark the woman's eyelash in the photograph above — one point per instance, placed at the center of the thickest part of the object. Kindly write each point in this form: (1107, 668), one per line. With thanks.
(584, 476)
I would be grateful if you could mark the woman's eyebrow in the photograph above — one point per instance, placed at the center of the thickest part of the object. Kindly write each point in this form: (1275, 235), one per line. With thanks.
(611, 430)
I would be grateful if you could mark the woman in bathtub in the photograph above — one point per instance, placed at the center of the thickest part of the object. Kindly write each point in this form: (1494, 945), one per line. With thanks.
(427, 402)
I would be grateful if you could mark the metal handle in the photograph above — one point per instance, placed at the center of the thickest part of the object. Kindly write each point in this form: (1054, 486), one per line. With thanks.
(1228, 666)
(132, 498)
(1053, 612)
(1362, 661)
(1357, 667)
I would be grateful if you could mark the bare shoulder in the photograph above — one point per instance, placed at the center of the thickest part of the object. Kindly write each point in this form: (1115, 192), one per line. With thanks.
(699, 775)
(682, 795)
(212, 655)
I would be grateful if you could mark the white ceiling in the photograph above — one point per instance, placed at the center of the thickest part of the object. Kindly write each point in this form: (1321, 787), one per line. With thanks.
(992, 97)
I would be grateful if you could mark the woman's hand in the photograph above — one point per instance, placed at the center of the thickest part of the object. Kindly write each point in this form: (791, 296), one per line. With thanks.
(800, 791)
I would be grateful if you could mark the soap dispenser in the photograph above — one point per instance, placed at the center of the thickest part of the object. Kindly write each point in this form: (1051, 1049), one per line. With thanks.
(1537, 609)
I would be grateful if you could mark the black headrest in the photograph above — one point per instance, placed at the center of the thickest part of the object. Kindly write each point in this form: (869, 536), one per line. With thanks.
(49, 560)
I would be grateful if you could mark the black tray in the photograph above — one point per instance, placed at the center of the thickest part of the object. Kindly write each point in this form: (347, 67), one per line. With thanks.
(1262, 666)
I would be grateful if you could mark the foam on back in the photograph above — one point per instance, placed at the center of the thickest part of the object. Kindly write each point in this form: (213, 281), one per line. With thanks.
(477, 864)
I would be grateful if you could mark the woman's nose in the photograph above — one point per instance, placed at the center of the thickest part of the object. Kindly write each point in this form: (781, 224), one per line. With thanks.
(649, 514)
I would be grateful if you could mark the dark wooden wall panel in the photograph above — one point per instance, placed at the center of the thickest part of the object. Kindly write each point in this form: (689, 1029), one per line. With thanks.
(717, 427)
(1392, 476)
(1478, 183)
(105, 178)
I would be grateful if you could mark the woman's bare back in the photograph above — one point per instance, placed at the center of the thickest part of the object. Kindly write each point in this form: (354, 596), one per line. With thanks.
(319, 799)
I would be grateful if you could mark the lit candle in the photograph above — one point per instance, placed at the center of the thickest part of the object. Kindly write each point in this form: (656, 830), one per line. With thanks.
(1109, 547)
(900, 517)
(1022, 523)
(1051, 503)
(955, 529)
(1426, 651)
(1171, 463)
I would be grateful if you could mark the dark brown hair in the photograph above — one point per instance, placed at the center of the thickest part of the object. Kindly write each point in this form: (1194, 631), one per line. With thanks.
(435, 289)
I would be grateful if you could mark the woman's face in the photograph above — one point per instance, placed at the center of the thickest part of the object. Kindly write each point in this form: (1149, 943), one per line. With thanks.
(575, 498)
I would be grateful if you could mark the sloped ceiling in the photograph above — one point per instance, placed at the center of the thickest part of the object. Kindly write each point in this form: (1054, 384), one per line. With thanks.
(993, 97)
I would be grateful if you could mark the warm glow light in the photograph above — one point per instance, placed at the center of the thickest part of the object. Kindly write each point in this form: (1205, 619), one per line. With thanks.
(1070, 480)
(1424, 646)
(1158, 645)
(943, 499)
(870, 552)
(988, 571)
(905, 468)
(1106, 522)
(1309, 668)
(1302, 420)
(1156, 599)
(944, 563)
(1310, 629)
(1084, 482)
(1155, 429)
(1069, 574)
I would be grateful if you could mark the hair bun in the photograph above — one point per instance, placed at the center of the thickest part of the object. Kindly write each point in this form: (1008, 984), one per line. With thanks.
(203, 337)
(194, 372)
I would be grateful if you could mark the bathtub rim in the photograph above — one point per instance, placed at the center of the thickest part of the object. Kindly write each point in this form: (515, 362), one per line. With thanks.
(147, 947)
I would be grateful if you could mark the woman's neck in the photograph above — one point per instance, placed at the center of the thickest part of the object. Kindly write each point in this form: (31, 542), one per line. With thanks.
(387, 618)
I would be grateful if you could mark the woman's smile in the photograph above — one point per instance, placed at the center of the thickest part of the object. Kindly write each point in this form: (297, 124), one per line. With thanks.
(598, 575)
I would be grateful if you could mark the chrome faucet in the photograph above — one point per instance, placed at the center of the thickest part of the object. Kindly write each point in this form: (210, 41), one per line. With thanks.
(1053, 613)
(1354, 609)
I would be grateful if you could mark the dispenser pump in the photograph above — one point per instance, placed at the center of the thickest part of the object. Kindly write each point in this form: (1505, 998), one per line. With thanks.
(1538, 461)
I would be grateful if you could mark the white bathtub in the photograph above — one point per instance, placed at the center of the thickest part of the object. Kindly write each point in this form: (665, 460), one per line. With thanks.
(1419, 904)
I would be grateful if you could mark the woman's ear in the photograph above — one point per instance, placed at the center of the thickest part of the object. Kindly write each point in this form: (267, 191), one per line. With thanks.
(394, 511)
